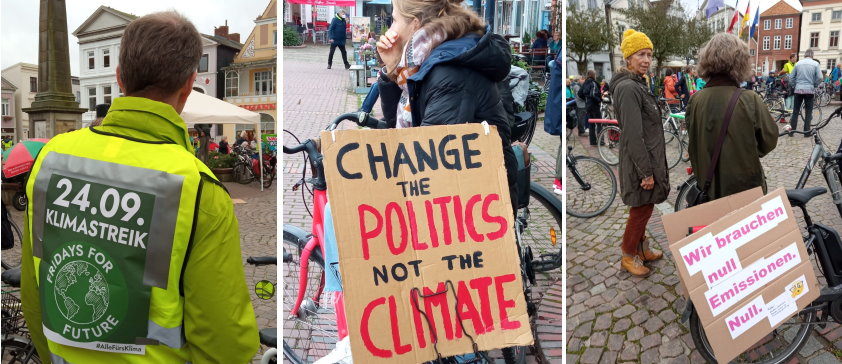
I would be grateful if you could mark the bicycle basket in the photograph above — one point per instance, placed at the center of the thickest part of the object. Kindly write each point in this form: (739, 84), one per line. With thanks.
(12, 315)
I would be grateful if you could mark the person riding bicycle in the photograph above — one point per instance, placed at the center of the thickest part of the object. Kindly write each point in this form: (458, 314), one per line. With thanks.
(442, 64)
(132, 251)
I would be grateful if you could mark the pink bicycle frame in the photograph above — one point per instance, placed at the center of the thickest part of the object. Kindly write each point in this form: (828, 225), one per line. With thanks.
(316, 241)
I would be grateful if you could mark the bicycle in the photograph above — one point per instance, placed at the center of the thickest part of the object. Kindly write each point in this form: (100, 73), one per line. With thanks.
(608, 144)
(11, 258)
(315, 324)
(675, 124)
(595, 185)
(265, 290)
(526, 116)
(246, 169)
(17, 344)
(827, 162)
(823, 245)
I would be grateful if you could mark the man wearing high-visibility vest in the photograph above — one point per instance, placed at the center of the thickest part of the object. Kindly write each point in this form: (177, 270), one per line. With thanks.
(132, 250)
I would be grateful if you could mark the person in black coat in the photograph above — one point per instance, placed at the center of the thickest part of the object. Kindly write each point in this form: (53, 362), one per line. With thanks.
(592, 95)
(456, 82)
(336, 34)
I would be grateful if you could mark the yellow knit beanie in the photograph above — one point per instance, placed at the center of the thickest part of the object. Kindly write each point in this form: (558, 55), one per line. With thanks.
(634, 41)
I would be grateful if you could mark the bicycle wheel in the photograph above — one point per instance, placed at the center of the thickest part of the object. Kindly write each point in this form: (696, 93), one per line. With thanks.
(776, 348)
(541, 228)
(531, 106)
(242, 174)
(12, 257)
(311, 333)
(19, 201)
(290, 356)
(267, 179)
(18, 350)
(673, 149)
(609, 144)
(591, 186)
(684, 194)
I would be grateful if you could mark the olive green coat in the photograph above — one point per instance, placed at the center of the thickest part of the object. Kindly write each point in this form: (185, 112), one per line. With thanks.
(751, 135)
(642, 151)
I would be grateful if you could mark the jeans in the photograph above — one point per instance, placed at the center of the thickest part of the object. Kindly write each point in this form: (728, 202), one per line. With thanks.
(807, 99)
(788, 102)
(582, 119)
(341, 47)
(593, 113)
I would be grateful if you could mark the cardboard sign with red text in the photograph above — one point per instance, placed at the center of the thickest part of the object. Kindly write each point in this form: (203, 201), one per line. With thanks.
(746, 272)
(425, 210)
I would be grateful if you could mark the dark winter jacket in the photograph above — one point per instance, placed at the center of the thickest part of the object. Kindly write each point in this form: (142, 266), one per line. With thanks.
(751, 135)
(457, 84)
(590, 93)
(336, 30)
(642, 146)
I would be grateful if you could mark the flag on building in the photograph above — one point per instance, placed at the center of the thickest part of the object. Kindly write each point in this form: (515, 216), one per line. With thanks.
(755, 23)
(714, 6)
(733, 20)
(745, 20)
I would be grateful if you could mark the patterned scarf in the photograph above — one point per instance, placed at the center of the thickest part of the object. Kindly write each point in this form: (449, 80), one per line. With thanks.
(416, 52)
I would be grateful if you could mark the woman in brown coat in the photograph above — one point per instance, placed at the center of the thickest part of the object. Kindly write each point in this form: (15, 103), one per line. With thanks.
(644, 180)
(724, 63)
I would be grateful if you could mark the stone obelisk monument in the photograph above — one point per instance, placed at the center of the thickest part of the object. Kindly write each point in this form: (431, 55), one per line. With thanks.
(55, 109)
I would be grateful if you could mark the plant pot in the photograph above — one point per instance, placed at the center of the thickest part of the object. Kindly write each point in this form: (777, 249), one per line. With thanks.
(224, 174)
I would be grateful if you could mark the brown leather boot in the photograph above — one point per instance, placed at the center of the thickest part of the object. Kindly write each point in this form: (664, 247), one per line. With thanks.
(634, 265)
(646, 254)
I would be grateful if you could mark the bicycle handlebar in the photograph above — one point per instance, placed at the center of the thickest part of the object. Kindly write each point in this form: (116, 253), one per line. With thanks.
(262, 260)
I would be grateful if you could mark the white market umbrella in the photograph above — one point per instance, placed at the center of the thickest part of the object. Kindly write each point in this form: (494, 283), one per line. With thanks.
(204, 109)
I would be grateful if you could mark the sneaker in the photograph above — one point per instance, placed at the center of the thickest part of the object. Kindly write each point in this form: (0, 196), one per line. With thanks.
(557, 187)
(347, 66)
(328, 66)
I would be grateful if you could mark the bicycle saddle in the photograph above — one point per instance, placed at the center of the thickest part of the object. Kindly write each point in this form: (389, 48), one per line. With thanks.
(800, 197)
(269, 337)
(12, 277)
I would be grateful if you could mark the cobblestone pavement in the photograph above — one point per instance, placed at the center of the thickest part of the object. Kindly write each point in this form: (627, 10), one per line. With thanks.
(256, 212)
(614, 317)
(313, 96)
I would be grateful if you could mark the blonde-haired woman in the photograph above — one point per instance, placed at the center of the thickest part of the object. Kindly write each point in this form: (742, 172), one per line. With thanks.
(725, 62)
(442, 66)
(644, 180)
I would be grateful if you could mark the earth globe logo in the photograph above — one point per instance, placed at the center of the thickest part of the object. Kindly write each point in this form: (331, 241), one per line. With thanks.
(81, 292)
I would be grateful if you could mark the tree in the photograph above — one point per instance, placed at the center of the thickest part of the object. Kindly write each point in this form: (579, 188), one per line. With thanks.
(664, 27)
(586, 34)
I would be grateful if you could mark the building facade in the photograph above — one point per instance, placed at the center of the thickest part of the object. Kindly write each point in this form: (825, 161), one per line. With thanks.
(821, 25)
(24, 77)
(99, 50)
(8, 111)
(779, 31)
(251, 79)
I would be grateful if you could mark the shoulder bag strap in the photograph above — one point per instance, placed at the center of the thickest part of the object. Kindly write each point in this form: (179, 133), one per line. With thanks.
(722, 132)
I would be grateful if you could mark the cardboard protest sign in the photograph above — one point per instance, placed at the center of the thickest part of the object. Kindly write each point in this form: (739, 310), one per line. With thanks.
(747, 271)
(417, 212)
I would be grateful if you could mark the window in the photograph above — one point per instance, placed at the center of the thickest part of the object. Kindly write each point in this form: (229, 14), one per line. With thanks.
(836, 15)
(817, 16)
(767, 24)
(203, 63)
(766, 43)
(263, 83)
(6, 107)
(834, 39)
(106, 92)
(232, 83)
(777, 44)
(78, 97)
(814, 40)
(274, 37)
(92, 98)
(788, 23)
(788, 42)
(91, 60)
(33, 84)
(831, 63)
(777, 23)
(106, 58)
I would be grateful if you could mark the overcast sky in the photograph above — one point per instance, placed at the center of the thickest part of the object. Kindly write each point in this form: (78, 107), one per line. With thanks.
(19, 22)
(764, 4)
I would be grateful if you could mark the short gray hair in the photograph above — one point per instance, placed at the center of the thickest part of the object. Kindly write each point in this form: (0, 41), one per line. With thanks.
(808, 53)
(725, 54)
